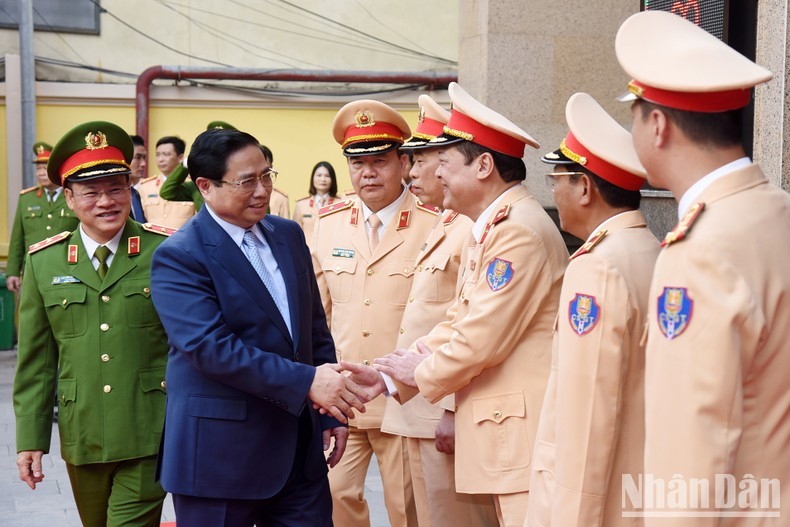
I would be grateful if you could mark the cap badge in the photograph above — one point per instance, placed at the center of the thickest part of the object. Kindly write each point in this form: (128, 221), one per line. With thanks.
(364, 119)
(421, 115)
(40, 149)
(95, 141)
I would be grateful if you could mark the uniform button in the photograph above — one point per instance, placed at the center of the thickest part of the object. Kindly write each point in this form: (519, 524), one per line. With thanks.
(64, 302)
(366, 362)
(462, 296)
(497, 414)
(402, 331)
(146, 290)
(337, 269)
(405, 270)
(367, 301)
(419, 267)
(366, 333)
(105, 358)
(411, 299)
(163, 384)
(370, 272)
(49, 227)
(105, 298)
(49, 216)
(107, 388)
(104, 327)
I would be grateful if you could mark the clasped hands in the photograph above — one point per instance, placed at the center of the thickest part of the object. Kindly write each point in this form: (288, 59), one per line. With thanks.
(338, 389)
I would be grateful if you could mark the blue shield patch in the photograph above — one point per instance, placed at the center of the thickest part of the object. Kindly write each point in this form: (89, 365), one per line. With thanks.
(583, 313)
(499, 274)
(674, 311)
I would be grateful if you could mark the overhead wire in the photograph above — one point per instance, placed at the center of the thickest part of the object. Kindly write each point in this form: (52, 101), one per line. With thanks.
(52, 29)
(404, 37)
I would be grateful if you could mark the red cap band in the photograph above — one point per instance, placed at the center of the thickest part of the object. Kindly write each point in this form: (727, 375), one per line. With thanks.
(90, 158)
(43, 157)
(575, 151)
(708, 102)
(429, 128)
(379, 131)
(467, 128)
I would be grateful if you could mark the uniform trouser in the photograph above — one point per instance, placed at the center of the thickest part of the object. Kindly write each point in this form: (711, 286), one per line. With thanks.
(511, 509)
(437, 502)
(347, 480)
(121, 493)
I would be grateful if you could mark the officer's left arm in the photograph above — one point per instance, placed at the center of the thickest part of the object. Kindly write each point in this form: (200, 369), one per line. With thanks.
(37, 365)
(174, 187)
(593, 358)
(497, 316)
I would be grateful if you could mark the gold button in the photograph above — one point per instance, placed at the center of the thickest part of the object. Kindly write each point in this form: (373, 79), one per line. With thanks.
(107, 388)
(337, 269)
(366, 333)
(411, 299)
(366, 362)
(146, 290)
(497, 414)
(104, 327)
(163, 384)
(105, 358)
(462, 296)
(64, 302)
(367, 301)
(405, 270)
(105, 298)
(49, 227)
(419, 267)
(370, 272)
(402, 330)
(49, 216)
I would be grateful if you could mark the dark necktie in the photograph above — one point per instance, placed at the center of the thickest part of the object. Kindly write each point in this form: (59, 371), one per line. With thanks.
(50, 196)
(102, 254)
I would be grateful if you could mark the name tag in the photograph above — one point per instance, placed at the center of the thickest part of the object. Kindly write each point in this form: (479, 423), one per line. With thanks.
(343, 253)
(34, 208)
(65, 280)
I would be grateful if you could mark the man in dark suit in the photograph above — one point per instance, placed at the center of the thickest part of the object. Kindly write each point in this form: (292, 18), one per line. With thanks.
(251, 356)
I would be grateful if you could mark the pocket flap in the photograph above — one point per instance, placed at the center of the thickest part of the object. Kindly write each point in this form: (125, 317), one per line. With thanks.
(67, 391)
(498, 408)
(439, 263)
(217, 408)
(153, 379)
(137, 287)
(401, 267)
(64, 295)
(339, 266)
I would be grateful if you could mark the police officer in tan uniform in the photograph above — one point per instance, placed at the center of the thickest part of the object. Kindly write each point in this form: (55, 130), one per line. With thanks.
(591, 429)
(169, 157)
(494, 349)
(364, 251)
(430, 428)
(716, 396)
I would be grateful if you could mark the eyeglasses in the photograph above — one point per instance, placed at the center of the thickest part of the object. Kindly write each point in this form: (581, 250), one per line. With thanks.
(248, 185)
(115, 194)
(551, 178)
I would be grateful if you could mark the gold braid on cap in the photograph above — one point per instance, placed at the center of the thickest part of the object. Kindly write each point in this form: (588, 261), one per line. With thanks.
(369, 137)
(636, 90)
(90, 164)
(458, 133)
(427, 137)
(573, 156)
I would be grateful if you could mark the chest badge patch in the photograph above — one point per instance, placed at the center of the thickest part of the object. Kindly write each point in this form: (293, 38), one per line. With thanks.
(583, 313)
(674, 311)
(499, 274)
(343, 253)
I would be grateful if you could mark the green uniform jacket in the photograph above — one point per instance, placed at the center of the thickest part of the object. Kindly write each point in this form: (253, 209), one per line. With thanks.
(177, 188)
(36, 219)
(106, 344)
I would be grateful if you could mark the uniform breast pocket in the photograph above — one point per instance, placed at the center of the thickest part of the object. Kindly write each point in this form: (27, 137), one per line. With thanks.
(137, 304)
(438, 285)
(400, 274)
(501, 426)
(339, 275)
(66, 309)
(33, 214)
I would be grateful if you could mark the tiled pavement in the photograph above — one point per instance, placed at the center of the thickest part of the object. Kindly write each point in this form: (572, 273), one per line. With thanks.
(51, 504)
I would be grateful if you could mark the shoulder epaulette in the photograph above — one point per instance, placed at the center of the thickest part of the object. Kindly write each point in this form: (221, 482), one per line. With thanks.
(159, 229)
(52, 240)
(450, 217)
(331, 209)
(280, 192)
(500, 215)
(589, 244)
(684, 226)
(350, 192)
(26, 190)
(428, 208)
(146, 180)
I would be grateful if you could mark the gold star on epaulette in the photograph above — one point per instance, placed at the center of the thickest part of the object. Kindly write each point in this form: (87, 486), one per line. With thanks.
(684, 226)
(335, 207)
(159, 229)
(427, 208)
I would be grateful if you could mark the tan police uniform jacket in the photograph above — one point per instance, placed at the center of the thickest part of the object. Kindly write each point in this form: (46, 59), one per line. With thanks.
(306, 213)
(494, 349)
(278, 204)
(718, 353)
(172, 214)
(364, 295)
(432, 293)
(591, 428)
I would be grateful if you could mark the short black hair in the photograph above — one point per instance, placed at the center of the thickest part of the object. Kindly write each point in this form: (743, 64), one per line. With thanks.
(178, 144)
(614, 196)
(715, 129)
(510, 168)
(209, 155)
(331, 170)
(267, 153)
(137, 140)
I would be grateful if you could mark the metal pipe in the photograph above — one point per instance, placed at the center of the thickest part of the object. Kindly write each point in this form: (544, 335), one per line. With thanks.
(28, 85)
(147, 77)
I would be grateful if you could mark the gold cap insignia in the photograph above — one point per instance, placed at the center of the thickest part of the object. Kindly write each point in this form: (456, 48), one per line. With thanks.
(421, 115)
(40, 149)
(95, 141)
(364, 118)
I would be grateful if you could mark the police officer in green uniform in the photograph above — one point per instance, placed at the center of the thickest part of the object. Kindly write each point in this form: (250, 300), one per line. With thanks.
(41, 212)
(89, 330)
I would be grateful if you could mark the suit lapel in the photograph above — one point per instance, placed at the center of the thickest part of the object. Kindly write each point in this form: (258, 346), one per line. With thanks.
(283, 257)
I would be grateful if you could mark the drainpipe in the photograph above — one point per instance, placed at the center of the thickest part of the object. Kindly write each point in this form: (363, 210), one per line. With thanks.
(431, 79)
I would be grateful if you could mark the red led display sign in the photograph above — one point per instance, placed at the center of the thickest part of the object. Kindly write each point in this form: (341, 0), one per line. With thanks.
(710, 15)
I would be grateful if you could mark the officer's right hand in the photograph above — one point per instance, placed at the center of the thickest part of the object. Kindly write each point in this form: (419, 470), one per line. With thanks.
(13, 283)
(29, 464)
